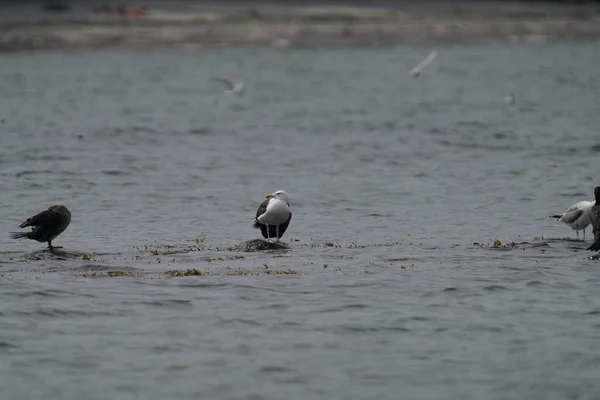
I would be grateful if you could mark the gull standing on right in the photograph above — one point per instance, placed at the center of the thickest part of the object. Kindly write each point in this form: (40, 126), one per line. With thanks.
(595, 219)
(577, 216)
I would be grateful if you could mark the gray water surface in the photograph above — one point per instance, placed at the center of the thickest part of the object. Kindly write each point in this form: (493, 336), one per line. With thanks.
(391, 286)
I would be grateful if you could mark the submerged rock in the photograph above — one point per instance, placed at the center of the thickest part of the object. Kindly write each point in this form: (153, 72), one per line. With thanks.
(259, 244)
(48, 254)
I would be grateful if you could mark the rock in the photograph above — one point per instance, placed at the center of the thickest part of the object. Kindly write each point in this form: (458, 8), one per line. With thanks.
(55, 254)
(259, 245)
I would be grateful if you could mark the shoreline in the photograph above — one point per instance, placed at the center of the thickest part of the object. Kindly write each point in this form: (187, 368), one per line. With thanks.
(286, 32)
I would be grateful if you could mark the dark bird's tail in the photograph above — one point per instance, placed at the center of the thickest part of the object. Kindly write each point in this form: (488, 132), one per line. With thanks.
(594, 246)
(256, 224)
(556, 216)
(19, 235)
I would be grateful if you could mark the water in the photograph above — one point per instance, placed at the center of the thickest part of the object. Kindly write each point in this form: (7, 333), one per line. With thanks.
(392, 181)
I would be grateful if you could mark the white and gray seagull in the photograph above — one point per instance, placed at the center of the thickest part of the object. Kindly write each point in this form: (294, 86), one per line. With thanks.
(231, 87)
(510, 99)
(577, 217)
(273, 216)
(416, 71)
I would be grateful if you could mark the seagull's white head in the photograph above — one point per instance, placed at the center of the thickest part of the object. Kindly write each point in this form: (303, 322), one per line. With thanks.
(280, 195)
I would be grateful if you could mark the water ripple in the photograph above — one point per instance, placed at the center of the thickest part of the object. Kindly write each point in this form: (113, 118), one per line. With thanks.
(391, 179)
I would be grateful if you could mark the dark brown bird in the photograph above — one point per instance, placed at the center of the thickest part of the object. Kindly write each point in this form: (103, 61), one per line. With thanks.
(46, 226)
(595, 218)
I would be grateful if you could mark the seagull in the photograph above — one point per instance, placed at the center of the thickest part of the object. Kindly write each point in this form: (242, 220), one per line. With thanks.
(46, 226)
(416, 71)
(273, 216)
(577, 216)
(232, 87)
(595, 218)
(510, 99)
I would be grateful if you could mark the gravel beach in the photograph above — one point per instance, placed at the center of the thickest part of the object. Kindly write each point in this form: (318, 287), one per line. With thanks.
(27, 26)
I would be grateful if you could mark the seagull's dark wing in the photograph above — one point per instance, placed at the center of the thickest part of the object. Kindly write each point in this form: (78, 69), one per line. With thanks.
(282, 228)
(261, 210)
(571, 215)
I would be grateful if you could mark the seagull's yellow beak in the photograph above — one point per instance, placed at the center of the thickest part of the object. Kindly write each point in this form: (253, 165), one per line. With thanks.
(268, 196)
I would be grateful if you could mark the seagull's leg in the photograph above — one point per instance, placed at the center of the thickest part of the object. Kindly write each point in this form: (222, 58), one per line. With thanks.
(277, 230)
(577, 234)
(268, 237)
(583, 233)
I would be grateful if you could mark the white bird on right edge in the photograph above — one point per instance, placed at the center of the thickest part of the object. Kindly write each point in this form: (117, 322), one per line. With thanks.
(232, 87)
(416, 71)
(595, 218)
(577, 217)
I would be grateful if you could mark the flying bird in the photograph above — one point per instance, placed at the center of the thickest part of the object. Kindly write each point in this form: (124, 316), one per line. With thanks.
(232, 87)
(416, 71)
(273, 216)
(46, 226)
(577, 217)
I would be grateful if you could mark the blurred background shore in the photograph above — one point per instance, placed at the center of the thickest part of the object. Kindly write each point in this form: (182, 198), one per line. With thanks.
(29, 25)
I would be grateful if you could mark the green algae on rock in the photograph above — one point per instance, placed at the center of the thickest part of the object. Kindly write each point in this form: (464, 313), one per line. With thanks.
(188, 272)
(118, 273)
(259, 245)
